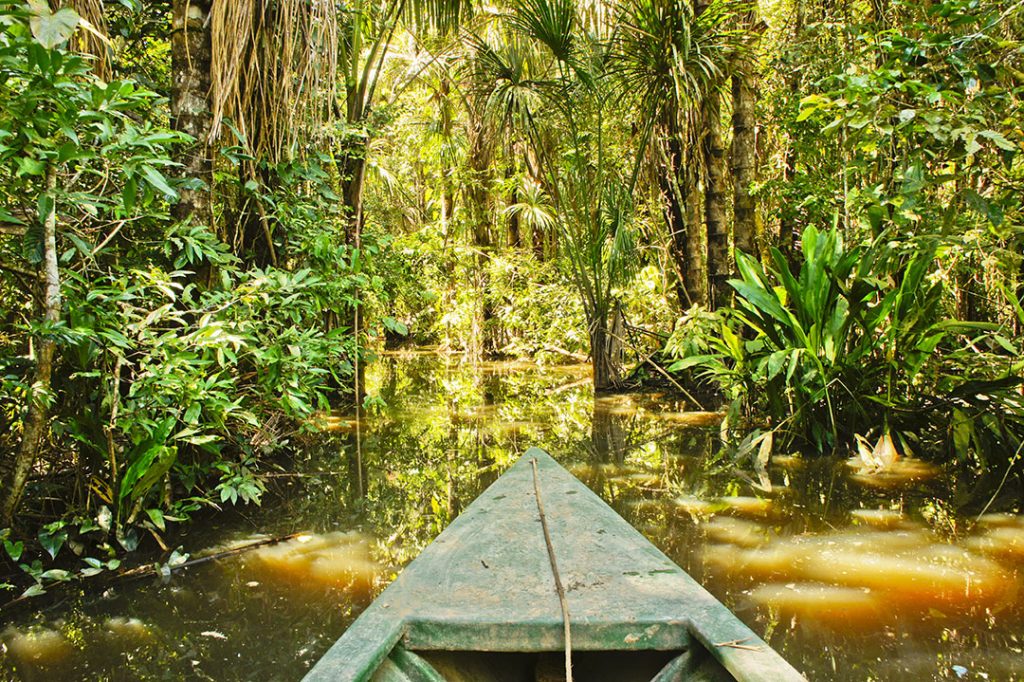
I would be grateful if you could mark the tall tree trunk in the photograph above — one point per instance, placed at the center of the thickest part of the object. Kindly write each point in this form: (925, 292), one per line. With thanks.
(35, 427)
(744, 150)
(478, 206)
(788, 233)
(674, 182)
(515, 233)
(719, 268)
(599, 355)
(696, 244)
(353, 184)
(713, 151)
(672, 206)
(190, 105)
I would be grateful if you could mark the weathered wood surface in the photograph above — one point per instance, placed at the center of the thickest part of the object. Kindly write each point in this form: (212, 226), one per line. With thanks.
(485, 584)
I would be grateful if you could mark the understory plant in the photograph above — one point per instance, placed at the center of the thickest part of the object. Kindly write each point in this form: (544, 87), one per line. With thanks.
(853, 340)
(153, 370)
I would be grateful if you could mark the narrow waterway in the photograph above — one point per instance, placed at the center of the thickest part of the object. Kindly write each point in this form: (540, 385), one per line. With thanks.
(851, 575)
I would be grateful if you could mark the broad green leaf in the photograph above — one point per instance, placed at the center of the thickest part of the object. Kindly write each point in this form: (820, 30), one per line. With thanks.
(691, 361)
(14, 549)
(52, 537)
(806, 113)
(157, 517)
(762, 301)
(33, 591)
(29, 166)
(157, 180)
(50, 29)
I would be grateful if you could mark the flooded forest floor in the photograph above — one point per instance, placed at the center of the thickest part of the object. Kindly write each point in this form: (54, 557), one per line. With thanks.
(910, 574)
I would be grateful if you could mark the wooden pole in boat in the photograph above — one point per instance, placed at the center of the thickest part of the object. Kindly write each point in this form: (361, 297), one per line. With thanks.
(554, 571)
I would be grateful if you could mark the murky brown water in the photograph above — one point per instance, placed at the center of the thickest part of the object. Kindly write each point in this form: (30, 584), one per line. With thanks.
(850, 575)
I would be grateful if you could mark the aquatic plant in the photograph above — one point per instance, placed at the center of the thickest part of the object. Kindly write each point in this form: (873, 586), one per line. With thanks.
(855, 339)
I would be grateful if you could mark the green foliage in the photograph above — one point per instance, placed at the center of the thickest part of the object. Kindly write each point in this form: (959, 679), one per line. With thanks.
(170, 391)
(857, 339)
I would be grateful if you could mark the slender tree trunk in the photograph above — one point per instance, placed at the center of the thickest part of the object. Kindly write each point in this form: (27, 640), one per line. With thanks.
(35, 427)
(478, 205)
(788, 233)
(606, 348)
(352, 185)
(599, 360)
(719, 268)
(672, 206)
(674, 182)
(532, 164)
(696, 273)
(190, 106)
(744, 152)
(515, 233)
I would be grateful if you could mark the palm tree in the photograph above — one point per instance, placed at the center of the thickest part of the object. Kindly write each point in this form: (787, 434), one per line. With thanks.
(591, 199)
(669, 63)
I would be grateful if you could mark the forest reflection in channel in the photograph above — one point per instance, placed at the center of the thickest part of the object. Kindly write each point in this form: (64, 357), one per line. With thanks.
(847, 579)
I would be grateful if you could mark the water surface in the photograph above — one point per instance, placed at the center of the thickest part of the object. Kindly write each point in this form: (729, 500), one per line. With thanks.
(850, 575)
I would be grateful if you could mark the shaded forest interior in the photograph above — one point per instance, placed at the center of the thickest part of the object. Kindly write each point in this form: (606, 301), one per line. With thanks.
(804, 214)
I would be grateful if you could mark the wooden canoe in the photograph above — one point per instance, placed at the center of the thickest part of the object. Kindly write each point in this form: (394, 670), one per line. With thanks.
(480, 602)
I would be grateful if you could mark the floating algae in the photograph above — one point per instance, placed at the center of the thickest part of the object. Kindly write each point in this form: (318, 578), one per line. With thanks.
(997, 519)
(694, 506)
(1001, 542)
(923, 577)
(746, 506)
(641, 479)
(127, 630)
(898, 474)
(736, 532)
(844, 606)
(690, 419)
(880, 518)
(789, 462)
(755, 564)
(37, 647)
(341, 560)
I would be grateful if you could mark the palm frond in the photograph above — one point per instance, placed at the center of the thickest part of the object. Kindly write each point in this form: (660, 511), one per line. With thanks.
(549, 22)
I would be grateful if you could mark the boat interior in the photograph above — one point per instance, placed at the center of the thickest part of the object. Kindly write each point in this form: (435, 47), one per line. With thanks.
(587, 666)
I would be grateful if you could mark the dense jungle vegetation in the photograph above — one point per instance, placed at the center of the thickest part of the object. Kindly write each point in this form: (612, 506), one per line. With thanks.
(212, 214)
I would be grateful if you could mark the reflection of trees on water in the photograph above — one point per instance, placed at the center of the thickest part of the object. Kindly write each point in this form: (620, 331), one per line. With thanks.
(448, 431)
(609, 431)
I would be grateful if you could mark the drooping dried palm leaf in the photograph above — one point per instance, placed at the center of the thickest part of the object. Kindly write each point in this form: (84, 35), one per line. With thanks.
(273, 71)
(91, 38)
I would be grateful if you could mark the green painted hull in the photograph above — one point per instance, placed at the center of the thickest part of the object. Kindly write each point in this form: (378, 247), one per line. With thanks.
(479, 603)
